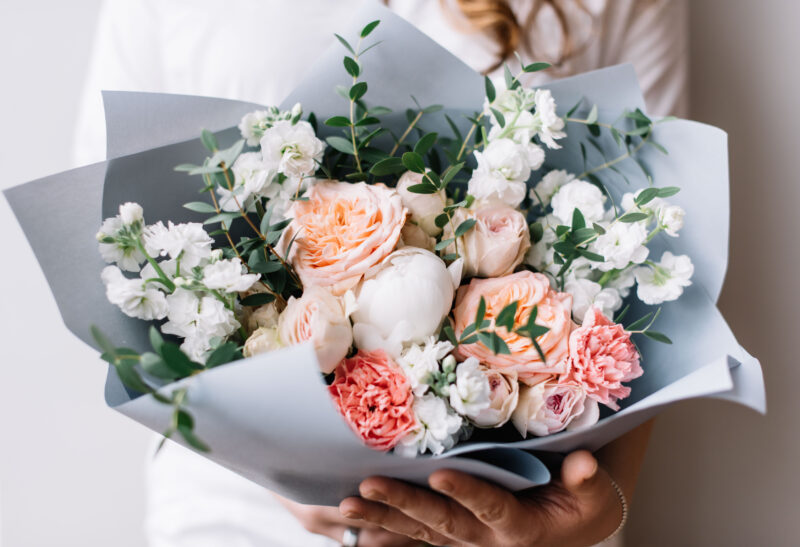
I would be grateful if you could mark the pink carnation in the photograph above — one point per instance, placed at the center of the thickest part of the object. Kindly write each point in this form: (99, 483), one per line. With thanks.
(374, 396)
(601, 357)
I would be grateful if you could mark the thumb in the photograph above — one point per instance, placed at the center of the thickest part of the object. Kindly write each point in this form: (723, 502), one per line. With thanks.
(580, 472)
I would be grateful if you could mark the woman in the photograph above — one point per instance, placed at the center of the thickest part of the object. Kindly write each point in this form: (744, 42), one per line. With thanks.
(257, 50)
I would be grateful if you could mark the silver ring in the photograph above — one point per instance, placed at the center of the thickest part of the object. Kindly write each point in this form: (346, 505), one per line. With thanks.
(350, 537)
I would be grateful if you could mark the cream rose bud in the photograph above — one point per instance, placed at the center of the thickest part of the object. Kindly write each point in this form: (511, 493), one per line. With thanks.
(424, 208)
(503, 397)
(413, 236)
(263, 316)
(319, 317)
(495, 245)
(263, 340)
(402, 301)
(549, 407)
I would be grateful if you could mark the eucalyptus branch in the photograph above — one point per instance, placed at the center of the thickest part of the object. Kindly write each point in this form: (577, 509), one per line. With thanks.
(406, 133)
(467, 138)
(352, 112)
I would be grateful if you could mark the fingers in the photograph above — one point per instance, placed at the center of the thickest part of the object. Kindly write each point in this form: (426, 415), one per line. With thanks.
(495, 507)
(579, 473)
(390, 519)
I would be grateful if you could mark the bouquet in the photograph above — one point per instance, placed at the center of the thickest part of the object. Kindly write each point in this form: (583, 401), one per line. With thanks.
(462, 280)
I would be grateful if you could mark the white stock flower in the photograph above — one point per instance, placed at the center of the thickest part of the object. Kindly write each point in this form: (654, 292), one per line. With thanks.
(622, 244)
(503, 168)
(131, 213)
(253, 125)
(228, 275)
(293, 150)
(587, 293)
(188, 241)
(402, 301)
(664, 281)
(133, 296)
(198, 319)
(469, 394)
(622, 282)
(549, 124)
(438, 428)
(581, 195)
(671, 218)
(510, 101)
(123, 251)
(546, 188)
(419, 361)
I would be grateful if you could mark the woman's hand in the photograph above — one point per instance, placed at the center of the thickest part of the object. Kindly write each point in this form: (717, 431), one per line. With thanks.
(582, 508)
(327, 521)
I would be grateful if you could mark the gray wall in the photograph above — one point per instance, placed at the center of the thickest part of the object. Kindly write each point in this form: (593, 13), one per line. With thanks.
(70, 469)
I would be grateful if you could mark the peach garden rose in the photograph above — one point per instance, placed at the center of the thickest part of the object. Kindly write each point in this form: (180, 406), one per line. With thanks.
(530, 289)
(342, 230)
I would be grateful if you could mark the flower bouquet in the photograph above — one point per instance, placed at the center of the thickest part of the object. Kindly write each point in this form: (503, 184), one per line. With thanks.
(343, 286)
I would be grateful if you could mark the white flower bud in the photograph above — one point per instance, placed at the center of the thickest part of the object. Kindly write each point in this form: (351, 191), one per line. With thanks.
(131, 213)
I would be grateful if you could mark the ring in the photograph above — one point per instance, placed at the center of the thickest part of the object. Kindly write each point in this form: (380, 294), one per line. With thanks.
(350, 537)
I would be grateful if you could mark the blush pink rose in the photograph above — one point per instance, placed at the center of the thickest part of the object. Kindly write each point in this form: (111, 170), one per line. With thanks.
(374, 396)
(549, 407)
(342, 230)
(601, 358)
(530, 289)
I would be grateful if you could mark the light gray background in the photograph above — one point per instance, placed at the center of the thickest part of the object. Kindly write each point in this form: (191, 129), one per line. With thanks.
(715, 474)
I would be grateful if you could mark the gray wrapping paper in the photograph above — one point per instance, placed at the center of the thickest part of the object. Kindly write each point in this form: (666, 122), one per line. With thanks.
(269, 418)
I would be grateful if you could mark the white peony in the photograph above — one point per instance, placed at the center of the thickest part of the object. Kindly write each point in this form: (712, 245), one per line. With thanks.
(469, 394)
(402, 301)
(587, 294)
(133, 296)
(438, 428)
(228, 275)
(420, 361)
(622, 244)
(665, 281)
(293, 150)
(550, 126)
(188, 241)
(581, 195)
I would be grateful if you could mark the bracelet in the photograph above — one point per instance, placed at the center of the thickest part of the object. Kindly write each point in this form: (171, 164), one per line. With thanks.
(624, 503)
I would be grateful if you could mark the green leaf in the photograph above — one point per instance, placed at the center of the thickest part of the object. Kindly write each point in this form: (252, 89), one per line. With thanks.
(481, 311)
(387, 166)
(178, 361)
(511, 82)
(501, 120)
(345, 43)
(465, 226)
(424, 188)
(264, 267)
(200, 207)
(104, 343)
(592, 117)
(185, 167)
(638, 131)
(537, 232)
(432, 108)
(594, 129)
(156, 340)
(493, 341)
(572, 110)
(338, 121)
(186, 429)
(591, 256)
(507, 316)
(225, 218)
(451, 172)
(441, 220)
(413, 162)
(467, 341)
(130, 377)
(209, 140)
(444, 243)
(491, 92)
(657, 336)
(225, 353)
(536, 67)
(642, 321)
(668, 191)
(658, 147)
(578, 221)
(369, 120)
(599, 229)
(358, 90)
(341, 144)
(351, 66)
(646, 196)
(155, 366)
(258, 299)
(425, 143)
(369, 28)
(432, 178)
(644, 169)
(632, 217)
(449, 257)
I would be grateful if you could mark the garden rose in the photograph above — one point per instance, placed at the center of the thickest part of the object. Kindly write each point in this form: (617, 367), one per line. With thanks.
(374, 396)
(601, 357)
(495, 245)
(342, 231)
(319, 317)
(262, 340)
(549, 407)
(424, 208)
(402, 301)
(503, 397)
(530, 289)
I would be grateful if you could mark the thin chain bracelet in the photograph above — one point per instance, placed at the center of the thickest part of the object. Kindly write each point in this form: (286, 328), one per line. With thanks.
(624, 503)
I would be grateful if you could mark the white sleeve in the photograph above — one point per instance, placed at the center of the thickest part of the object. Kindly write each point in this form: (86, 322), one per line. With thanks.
(125, 56)
(656, 42)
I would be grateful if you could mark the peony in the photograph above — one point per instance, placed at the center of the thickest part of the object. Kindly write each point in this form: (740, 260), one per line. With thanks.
(424, 208)
(469, 394)
(601, 358)
(664, 281)
(319, 317)
(529, 289)
(292, 149)
(437, 430)
(495, 245)
(402, 301)
(503, 397)
(374, 396)
(262, 340)
(581, 195)
(549, 407)
(133, 296)
(342, 231)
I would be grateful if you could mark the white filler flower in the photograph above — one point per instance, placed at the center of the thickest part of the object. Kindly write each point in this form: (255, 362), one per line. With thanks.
(438, 428)
(664, 281)
(469, 394)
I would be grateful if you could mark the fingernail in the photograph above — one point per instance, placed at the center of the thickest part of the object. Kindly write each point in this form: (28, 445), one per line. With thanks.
(375, 495)
(352, 515)
(444, 486)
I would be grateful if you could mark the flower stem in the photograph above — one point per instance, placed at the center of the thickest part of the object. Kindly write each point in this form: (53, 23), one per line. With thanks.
(405, 133)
